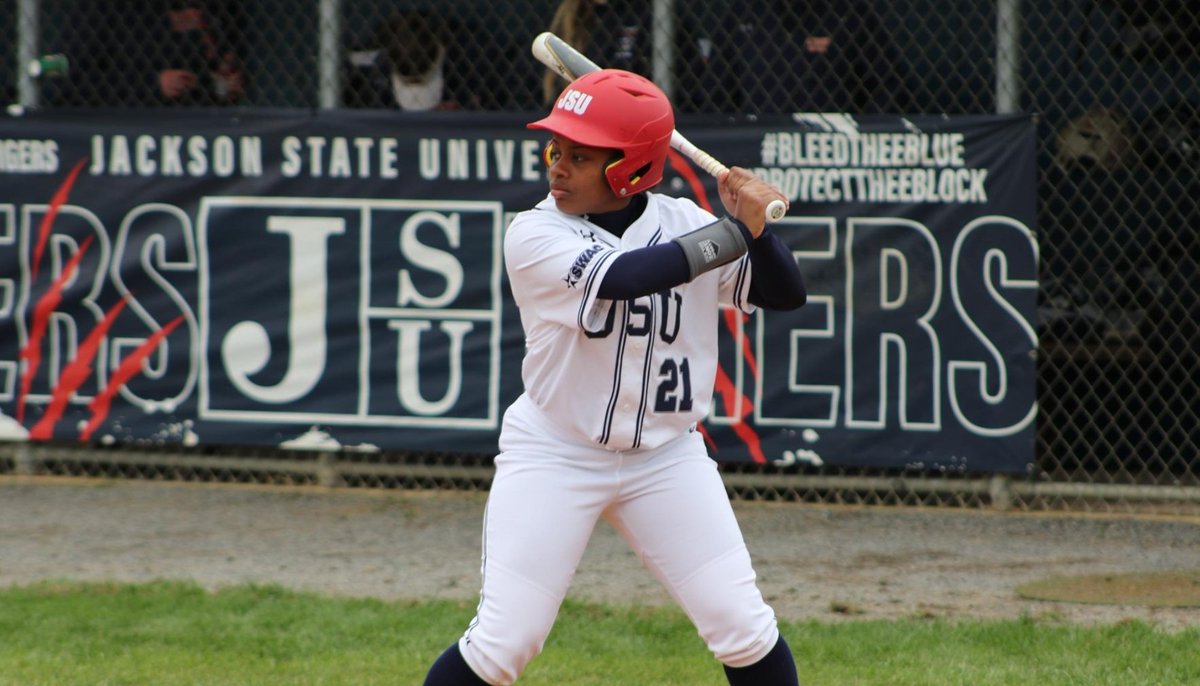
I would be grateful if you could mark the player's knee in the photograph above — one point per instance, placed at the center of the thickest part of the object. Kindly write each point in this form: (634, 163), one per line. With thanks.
(502, 643)
(738, 627)
(742, 636)
(743, 645)
(511, 624)
(500, 662)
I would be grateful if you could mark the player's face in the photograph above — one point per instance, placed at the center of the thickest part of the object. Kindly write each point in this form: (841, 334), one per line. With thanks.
(577, 179)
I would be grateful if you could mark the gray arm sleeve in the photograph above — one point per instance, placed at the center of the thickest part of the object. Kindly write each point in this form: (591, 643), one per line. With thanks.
(712, 246)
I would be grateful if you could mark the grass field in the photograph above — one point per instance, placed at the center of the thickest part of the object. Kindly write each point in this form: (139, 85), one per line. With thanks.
(170, 633)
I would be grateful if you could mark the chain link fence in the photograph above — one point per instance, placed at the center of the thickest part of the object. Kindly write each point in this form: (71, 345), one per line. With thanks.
(1115, 86)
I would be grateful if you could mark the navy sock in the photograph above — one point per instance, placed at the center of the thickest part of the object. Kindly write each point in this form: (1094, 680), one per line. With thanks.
(450, 669)
(778, 668)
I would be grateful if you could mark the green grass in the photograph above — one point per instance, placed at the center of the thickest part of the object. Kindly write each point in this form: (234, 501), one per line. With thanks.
(171, 633)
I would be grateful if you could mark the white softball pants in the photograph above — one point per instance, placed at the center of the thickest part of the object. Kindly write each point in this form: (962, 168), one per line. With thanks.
(669, 505)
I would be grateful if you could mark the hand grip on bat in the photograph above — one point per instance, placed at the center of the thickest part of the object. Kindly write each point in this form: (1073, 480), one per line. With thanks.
(776, 209)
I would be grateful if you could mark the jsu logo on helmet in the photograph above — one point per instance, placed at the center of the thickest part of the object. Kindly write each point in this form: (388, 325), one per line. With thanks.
(574, 101)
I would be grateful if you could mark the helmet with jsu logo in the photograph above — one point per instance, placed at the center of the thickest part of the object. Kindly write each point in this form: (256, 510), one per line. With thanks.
(620, 110)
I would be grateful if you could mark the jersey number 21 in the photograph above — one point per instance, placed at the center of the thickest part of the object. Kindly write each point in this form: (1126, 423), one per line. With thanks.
(675, 385)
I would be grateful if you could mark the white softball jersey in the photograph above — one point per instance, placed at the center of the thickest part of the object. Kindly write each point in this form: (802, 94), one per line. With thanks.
(621, 375)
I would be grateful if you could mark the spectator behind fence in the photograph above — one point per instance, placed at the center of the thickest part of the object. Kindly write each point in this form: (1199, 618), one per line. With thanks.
(782, 56)
(407, 65)
(201, 62)
(613, 33)
(152, 52)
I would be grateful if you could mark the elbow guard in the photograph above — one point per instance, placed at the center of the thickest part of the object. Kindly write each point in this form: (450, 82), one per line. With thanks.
(712, 246)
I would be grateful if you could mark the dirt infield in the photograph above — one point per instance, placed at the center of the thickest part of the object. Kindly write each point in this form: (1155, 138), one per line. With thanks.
(814, 562)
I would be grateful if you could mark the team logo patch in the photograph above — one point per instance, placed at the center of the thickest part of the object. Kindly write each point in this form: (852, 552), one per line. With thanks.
(710, 250)
(574, 101)
(581, 263)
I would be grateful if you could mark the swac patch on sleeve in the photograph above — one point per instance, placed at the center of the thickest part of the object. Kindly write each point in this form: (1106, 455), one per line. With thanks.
(581, 263)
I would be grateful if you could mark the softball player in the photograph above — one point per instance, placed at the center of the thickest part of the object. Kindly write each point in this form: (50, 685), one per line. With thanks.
(618, 291)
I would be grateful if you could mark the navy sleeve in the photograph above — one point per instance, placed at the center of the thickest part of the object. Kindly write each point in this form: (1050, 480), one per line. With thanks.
(645, 271)
(775, 282)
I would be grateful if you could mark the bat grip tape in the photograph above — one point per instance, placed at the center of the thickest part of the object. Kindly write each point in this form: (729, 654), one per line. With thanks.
(712, 246)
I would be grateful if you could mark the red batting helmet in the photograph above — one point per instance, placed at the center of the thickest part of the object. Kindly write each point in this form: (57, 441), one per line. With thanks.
(612, 108)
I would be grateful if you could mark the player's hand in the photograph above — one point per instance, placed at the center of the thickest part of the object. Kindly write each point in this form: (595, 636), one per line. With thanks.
(175, 82)
(746, 197)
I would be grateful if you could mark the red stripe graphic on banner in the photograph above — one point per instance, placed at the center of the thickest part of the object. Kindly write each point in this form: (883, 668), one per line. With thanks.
(60, 198)
(734, 321)
(128, 368)
(724, 386)
(708, 440)
(32, 352)
(74, 374)
(680, 165)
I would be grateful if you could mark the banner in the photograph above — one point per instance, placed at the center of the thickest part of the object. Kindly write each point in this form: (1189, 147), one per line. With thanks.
(336, 280)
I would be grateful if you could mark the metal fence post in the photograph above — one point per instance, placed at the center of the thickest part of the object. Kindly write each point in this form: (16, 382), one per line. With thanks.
(1000, 492)
(329, 56)
(24, 463)
(28, 29)
(1008, 55)
(327, 473)
(663, 55)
